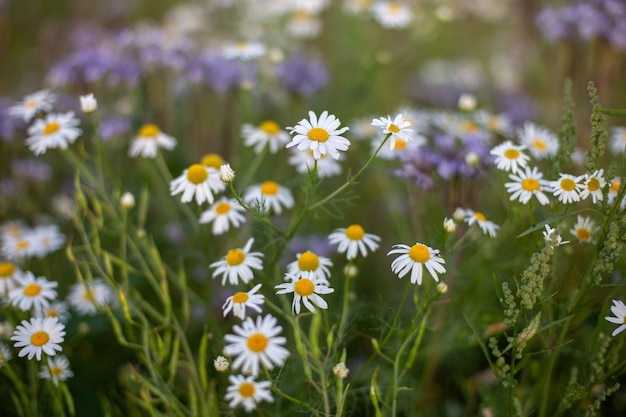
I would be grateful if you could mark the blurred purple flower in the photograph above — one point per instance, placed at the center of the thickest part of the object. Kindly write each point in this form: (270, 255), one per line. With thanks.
(114, 126)
(8, 124)
(30, 170)
(216, 72)
(302, 75)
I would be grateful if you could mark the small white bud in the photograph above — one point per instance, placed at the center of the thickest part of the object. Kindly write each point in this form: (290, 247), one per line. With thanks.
(341, 371)
(449, 225)
(226, 175)
(467, 102)
(472, 159)
(350, 271)
(88, 103)
(127, 200)
(221, 364)
(442, 288)
(459, 214)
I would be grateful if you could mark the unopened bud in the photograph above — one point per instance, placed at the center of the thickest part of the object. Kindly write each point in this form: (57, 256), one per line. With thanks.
(227, 174)
(341, 371)
(88, 103)
(472, 159)
(350, 271)
(442, 288)
(127, 200)
(449, 225)
(221, 364)
(467, 102)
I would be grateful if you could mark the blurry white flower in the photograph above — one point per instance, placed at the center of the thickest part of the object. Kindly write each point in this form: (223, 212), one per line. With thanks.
(392, 14)
(341, 371)
(397, 129)
(449, 225)
(87, 298)
(617, 141)
(58, 369)
(538, 140)
(467, 102)
(221, 364)
(583, 229)
(269, 195)
(353, 240)
(552, 238)
(509, 157)
(268, 134)
(8, 273)
(243, 51)
(304, 162)
(32, 104)
(127, 200)
(222, 214)
(488, 227)
(245, 391)
(147, 143)
(88, 103)
(619, 310)
(55, 131)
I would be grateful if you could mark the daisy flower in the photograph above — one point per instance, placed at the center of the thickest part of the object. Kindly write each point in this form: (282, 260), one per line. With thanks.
(8, 272)
(18, 247)
(55, 131)
(5, 354)
(243, 51)
(392, 14)
(619, 310)
(552, 238)
(86, 298)
(617, 141)
(509, 157)
(39, 335)
(488, 227)
(414, 258)
(198, 180)
(48, 239)
(322, 135)
(497, 123)
(6, 329)
(616, 183)
(32, 104)
(56, 309)
(149, 140)
(32, 292)
(306, 287)
(593, 185)
(310, 262)
(526, 184)
(244, 390)
(268, 134)
(256, 343)
(401, 147)
(269, 196)
(583, 229)
(58, 369)
(567, 188)
(538, 140)
(222, 214)
(212, 160)
(304, 162)
(352, 240)
(238, 302)
(396, 129)
(238, 264)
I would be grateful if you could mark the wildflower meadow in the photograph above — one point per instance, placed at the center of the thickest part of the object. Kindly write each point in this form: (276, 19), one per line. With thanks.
(312, 208)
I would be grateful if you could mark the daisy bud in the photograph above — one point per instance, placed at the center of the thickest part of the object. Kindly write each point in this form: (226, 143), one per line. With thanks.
(127, 200)
(449, 225)
(226, 174)
(221, 364)
(442, 288)
(341, 371)
(88, 103)
(459, 214)
(350, 271)
(472, 159)
(467, 102)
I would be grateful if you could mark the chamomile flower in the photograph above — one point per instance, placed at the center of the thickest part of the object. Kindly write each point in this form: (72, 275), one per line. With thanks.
(540, 142)
(306, 287)
(401, 147)
(58, 369)
(88, 297)
(617, 141)
(148, 141)
(245, 391)
(399, 128)
(48, 239)
(222, 214)
(39, 335)
(269, 195)
(238, 302)
(55, 131)
(268, 134)
(244, 51)
(353, 240)
(552, 238)
(32, 104)
(256, 343)
(32, 292)
(510, 157)
(56, 309)
(616, 183)
(583, 229)
(567, 188)
(213, 160)
(593, 185)
(310, 262)
(526, 184)
(322, 135)
(8, 272)
(5, 354)
(392, 14)
(238, 264)
(304, 162)
(619, 310)
(200, 181)
(497, 123)
(18, 247)
(414, 258)
(488, 227)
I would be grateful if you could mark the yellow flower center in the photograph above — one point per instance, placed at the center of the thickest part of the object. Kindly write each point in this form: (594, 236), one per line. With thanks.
(6, 269)
(615, 184)
(469, 127)
(308, 261)
(52, 313)
(400, 145)
(419, 253)
(30, 104)
(32, 290)
(22, 244)
(246, 390)
(222, 208)
(149, 131)
(39, 338)
(355, 232)
(318, 134)
(235, 257)
(593, 184)
(481, 217)
(270, 127)
(530, 184)
(583, 234)
(269, 188)
(393, 128)
(511, 153)
(56, 371)
(568, 184)
(493, 123)
(257, 342)
(540, 144)
(51, 128)
(393, 8)
(197, 174)
(304, 287)
(240, 297)
(212, 160)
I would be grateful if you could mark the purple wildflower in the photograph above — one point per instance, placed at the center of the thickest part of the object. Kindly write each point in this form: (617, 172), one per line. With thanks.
(302, 75)
(114, 126)
(218, 73)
